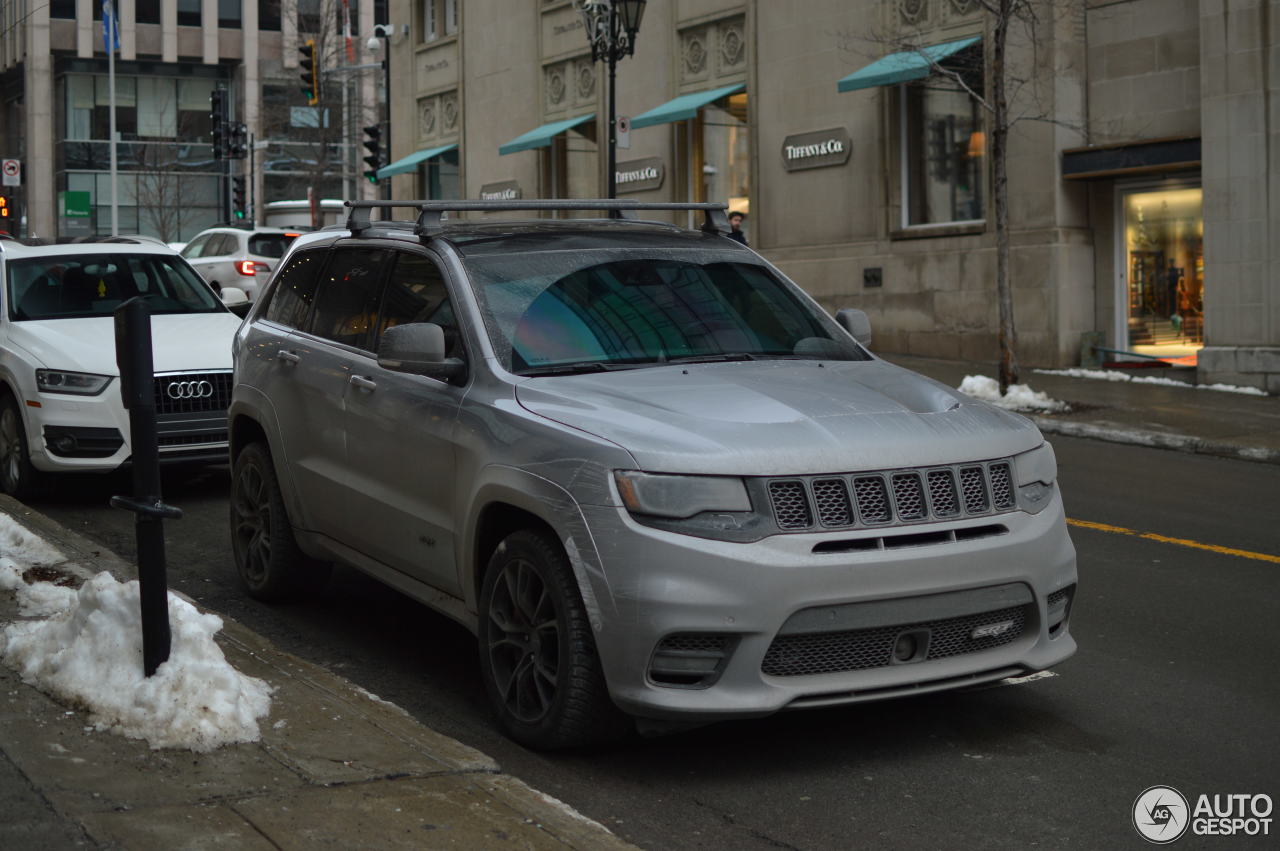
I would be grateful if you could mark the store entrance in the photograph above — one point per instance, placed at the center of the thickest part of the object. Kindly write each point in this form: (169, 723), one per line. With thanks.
(1163, 272)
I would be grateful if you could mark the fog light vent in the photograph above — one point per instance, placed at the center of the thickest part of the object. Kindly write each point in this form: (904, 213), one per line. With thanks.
(690, 659)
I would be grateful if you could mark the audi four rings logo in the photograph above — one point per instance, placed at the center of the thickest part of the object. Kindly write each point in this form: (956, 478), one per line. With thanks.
(189, 390)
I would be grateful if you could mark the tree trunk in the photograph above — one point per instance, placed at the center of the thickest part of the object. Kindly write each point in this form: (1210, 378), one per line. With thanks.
(1008, 336)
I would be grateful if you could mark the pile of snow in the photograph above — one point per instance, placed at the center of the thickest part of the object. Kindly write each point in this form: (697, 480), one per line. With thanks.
(1019, 398)
(23, 547)
(88, 653)
(1111, 375)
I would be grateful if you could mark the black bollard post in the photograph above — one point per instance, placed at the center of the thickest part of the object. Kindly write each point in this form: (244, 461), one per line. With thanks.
(137, 380)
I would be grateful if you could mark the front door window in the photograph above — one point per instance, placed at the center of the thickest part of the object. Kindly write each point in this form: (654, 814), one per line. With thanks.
(1164, 271)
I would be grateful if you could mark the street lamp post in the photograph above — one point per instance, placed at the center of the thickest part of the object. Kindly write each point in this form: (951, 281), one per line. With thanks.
(611, 29)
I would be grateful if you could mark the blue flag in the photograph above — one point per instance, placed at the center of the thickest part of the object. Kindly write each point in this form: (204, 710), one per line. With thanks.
(110, 27)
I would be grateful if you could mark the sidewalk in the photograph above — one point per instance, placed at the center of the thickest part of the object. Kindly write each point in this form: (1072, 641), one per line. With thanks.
(1208, 422)
(335, 766)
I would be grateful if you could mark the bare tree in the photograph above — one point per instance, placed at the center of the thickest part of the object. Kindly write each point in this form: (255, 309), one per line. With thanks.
(1013, 98)
(162, 188)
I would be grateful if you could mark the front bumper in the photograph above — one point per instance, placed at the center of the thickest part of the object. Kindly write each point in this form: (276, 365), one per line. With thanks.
(654, 585)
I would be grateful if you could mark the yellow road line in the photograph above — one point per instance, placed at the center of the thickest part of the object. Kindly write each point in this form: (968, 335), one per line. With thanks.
(1165, 539)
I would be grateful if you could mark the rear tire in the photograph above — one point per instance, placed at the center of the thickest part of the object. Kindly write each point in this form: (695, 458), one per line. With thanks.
(18, 478)
(537, 652)
(267, 557)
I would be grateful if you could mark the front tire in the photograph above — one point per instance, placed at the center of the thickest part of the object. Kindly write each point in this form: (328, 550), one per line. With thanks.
(18, 478)
(266, 554)
(537, 653)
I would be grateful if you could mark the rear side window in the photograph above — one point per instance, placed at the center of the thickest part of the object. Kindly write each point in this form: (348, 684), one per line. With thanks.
(269, 244)
(347, 303)
(295, 288)
(195, 247)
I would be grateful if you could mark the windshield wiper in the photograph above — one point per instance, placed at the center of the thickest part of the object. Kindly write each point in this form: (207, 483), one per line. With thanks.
(575, 368)
(711, 358)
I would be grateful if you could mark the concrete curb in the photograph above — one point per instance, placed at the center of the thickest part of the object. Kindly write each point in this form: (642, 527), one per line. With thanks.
(336, 765)
(1156, 440)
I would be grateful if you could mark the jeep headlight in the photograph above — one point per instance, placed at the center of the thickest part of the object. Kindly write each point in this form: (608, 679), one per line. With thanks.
(77, 383)
(679, 497)
(1035, 473)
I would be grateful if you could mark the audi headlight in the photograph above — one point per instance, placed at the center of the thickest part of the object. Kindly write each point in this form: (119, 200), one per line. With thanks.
(76, 383)
(680, 496)
(1035, 473)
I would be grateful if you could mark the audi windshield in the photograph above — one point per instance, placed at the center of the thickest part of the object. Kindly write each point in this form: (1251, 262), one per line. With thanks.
(67, 286)
(559, 312)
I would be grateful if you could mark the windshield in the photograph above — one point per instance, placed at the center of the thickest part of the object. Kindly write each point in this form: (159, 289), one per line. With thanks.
(67, 286)
(560, 311)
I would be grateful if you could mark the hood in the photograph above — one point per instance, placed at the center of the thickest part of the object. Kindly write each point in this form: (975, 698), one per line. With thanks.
(779, 417)
(180, 342)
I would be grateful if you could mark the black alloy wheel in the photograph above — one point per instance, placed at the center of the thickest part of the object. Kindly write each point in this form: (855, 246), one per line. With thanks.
(266, 555)
(18, 478)
(537, 651)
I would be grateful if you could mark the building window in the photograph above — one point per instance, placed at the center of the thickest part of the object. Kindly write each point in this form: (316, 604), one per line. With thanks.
(229, 14)
(439, 18)
(943, 145)
(147, 11)
(189, 13)
(65, 9)
(269, 15)
(438, 177)
(571, 165)
(1163, 243)
(309, 16)
(714, 164)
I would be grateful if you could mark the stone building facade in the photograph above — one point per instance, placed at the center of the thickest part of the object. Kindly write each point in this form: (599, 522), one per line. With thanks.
(1142, 197)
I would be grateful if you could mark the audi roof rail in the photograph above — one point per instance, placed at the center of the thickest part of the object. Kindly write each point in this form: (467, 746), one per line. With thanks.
(431, 213)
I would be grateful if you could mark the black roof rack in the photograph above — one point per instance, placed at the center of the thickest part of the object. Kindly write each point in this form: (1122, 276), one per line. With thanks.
(430, 213)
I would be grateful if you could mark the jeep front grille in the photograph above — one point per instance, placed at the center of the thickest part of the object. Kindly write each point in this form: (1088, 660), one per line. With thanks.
(892, 497)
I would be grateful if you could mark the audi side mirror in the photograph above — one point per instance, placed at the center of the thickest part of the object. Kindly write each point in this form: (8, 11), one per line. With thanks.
(418, 349)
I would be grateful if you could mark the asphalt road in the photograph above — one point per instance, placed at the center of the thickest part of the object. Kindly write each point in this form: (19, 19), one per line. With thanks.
(1174, 684)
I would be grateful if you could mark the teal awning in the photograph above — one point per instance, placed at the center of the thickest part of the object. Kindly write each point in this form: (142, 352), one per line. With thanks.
(904, 66)
(410, 162)
(540, 137)
(684, 107)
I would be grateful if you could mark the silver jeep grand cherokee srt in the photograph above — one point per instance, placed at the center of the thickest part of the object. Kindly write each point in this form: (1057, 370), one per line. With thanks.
(651, 474)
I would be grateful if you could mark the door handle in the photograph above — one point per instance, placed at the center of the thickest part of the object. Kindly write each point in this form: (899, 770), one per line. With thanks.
(289, 356)
(365, 383)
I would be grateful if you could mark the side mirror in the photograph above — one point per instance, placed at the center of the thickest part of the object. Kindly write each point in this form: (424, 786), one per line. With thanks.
(418, 349)
(856, 323)
(231, 296)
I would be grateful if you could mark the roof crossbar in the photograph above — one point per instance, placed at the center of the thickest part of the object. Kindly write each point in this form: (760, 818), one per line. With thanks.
(431, 213)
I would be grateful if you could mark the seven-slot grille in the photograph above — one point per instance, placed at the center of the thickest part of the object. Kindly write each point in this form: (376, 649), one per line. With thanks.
(892, 497)
(192, 392)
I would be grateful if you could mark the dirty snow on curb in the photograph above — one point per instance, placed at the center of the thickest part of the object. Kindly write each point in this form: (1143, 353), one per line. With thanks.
(1019, 398)
(1110, 375)
(88, 653)
(23, 547)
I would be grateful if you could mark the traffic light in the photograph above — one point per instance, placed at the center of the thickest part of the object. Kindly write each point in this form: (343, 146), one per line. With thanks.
(310, 72)
(218, 122)
(238, 142)
(239, 208)
(373, 144)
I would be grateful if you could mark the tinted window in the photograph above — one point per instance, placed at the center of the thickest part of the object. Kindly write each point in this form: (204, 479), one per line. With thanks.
(416, 293)
(76, 285)
(220, 245)
(295, 288)
(347, 304)
(269, 244)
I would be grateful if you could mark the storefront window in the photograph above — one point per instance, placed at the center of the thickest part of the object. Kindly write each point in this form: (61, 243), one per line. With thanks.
(573, 164)
(943, 145)
(1164, 270)
(438, 177)
(725, 162)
